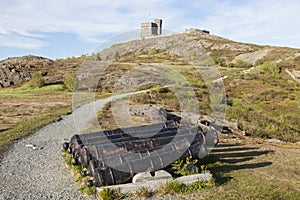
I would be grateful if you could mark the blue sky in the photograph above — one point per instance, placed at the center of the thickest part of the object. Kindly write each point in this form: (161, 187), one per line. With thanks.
(61, 28)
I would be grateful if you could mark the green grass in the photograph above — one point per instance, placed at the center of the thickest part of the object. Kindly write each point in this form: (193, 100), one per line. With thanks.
(170, 188)
(76, 171)
(250, 172)
(26, 91)
(27, 119)
(266, 104)
(29, 126)
(266, 91)
(246, 184)
(110, 194)
(174, 187)
(143, 192)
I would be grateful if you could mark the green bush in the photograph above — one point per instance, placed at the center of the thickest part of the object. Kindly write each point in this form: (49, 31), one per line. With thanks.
(216, 56)
(116, 55)
(70, 81)
(187, 167)
(98, 57)
(37, 80)
(229, 101)
(241, 64)
(153, 52)
(160, 89)
(272, 68)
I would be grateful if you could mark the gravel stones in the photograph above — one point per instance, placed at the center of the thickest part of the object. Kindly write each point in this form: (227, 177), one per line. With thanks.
(40, 173)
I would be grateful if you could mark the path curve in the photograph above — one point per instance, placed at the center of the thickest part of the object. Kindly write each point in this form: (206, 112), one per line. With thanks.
(40, 173)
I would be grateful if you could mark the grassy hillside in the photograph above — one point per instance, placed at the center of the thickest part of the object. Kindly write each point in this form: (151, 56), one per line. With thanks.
(24, 110)
(261, 96)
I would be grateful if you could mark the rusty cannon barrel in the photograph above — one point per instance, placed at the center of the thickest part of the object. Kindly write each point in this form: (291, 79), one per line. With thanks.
(122, 147)
(103, 174)
(120, 137)
(120, 133)
(115, 156)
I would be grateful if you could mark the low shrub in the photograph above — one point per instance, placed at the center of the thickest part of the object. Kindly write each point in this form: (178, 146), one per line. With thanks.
(153, 52)
(272, 68)
(110, 194)
(70, 81)
(37, 80)
(186, 167)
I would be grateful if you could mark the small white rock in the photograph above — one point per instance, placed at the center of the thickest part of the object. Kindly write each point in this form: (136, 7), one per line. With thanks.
(274, 140)
(146, 176)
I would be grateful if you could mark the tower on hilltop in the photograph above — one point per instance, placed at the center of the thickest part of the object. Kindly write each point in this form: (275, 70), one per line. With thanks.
(149, 29)
(158, 22)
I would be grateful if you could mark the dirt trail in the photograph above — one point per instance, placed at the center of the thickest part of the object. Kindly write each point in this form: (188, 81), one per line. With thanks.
(33, 167)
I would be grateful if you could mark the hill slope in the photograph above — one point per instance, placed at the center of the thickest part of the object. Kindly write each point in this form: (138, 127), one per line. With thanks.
(260, 81)
(16, 71)
(262, 96)
(223, 52)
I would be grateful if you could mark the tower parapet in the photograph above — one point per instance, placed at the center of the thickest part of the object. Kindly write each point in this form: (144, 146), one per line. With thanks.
(158, 22)
(149, 29)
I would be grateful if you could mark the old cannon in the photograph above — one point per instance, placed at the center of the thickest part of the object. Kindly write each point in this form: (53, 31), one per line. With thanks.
(115, 156)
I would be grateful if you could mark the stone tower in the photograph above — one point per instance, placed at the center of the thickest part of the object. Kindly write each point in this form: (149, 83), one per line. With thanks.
(158, 22)
(149, 29)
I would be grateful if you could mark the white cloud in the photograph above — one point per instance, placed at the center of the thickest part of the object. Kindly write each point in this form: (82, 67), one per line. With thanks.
(88, 19)
(257, 21)
(20, 42)
(268, 22)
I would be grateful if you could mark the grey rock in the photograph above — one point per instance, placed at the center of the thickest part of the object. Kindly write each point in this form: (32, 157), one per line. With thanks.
(154, 184)
(146, 176)
(193, 178)
(274, 140)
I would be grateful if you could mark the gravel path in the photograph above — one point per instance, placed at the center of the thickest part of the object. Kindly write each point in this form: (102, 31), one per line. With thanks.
(40, 173)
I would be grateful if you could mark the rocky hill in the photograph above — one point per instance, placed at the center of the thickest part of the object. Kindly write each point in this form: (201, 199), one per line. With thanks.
(223, 52)
(178, 48)
(18, 70)
(261, 82)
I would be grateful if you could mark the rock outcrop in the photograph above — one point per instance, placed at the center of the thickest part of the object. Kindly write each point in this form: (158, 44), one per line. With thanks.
(17, 70)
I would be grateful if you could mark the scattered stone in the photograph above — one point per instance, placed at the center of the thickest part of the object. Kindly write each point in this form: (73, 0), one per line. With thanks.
(187, 180)
(246, 133)
(162, 174)
(33, 146)
(154, 184)
(146, 176)
(274, 140)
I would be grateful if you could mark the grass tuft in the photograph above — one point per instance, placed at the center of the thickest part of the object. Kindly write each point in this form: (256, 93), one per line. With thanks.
(110, 194)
